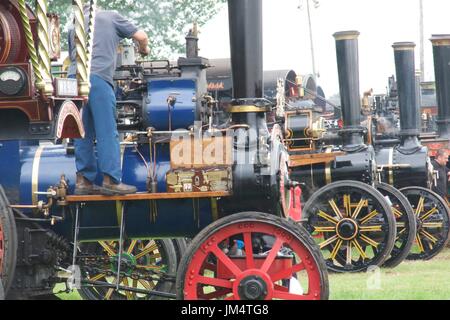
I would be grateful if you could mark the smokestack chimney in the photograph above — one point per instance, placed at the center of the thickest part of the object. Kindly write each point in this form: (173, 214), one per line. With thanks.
(441, 52)
(245, 18)
(348, 69)
(408, 96)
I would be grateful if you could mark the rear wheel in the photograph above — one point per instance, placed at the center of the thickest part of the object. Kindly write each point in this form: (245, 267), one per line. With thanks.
(252, 256)
(353, 225)
(147, 265)
(432, 220)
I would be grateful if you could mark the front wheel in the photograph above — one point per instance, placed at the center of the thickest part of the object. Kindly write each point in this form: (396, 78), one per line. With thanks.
(252, 256)
(353, 225)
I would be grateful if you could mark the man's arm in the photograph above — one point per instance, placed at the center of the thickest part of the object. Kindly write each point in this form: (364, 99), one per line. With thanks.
(141, 37)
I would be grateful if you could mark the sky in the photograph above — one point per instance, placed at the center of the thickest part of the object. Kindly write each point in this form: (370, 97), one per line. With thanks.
(381, 23)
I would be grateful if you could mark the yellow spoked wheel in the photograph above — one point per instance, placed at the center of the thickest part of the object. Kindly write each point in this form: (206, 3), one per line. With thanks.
(353, 225)
(432, 220)
(146, 265)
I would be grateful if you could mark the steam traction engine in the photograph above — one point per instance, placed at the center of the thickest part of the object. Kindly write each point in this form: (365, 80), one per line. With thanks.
(407, 165)
(225, 186)
(346, 211)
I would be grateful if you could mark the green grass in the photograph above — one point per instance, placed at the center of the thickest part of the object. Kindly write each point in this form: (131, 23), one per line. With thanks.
(419, 280)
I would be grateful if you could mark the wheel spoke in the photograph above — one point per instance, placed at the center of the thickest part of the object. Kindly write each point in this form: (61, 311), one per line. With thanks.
(107, 248)
(429, 214)
(110, 291)
(287, 273)
(216, 294)
(359, 248)
(399, 233)
(277, 294)
(397, 213)
(98, 277)
(369, 241)
(249, 250)
(147, 285)
(429, 236)
(327, 217)
(420, 244)
(134, 285)
(335, 209)
(146, 251)
(336, 249)
(272, 255)
(215, 282)
(347, 205)
(369, 217)
(358, 209)
(324, 229)
(128, 293)
(433, 225)
(371, 229)
(328, 242)
(420, 206)
(280, 288)
(349, 254)
(150, 267)
(131, 247)
(228, 263)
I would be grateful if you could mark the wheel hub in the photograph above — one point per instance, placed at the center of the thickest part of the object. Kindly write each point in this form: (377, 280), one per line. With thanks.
(127, 263)
(347, 229)
(252, 288)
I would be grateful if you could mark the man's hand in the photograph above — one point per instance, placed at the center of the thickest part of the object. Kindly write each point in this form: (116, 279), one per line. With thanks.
(144, 51)
(142, 39)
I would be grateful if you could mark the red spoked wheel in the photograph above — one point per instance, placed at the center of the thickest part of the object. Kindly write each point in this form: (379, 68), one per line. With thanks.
(252, 256)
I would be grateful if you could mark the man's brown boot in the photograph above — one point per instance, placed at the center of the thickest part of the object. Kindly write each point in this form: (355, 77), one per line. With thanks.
(111, 188)
(84, 187)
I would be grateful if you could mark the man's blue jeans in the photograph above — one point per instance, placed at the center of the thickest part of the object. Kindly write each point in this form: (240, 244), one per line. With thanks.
(100, 124)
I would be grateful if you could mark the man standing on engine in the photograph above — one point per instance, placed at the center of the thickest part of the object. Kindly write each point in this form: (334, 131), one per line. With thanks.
(99, 118)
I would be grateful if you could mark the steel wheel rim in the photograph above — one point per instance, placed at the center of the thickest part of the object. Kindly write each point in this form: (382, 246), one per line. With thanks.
(432, 226)
(142, 254)
(405, 231)
(197, 282)
(2, 249)
(367, 246)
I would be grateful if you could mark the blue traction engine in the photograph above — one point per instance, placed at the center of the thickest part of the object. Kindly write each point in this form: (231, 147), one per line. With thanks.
(225, 184)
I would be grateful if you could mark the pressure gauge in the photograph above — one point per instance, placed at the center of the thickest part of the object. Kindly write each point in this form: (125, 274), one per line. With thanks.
(12, 81)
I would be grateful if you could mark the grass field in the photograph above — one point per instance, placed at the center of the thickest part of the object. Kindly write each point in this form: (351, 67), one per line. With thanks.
(421, 280)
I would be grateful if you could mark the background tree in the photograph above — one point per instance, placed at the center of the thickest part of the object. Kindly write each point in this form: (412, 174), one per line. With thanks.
(165, 21)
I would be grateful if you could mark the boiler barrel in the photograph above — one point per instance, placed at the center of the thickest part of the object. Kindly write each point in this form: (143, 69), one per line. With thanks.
(413, 169)
(42, 167)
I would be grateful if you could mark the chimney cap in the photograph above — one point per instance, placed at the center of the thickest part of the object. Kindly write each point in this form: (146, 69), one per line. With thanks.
(403, 46)
(440, 39)
(346, 35)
